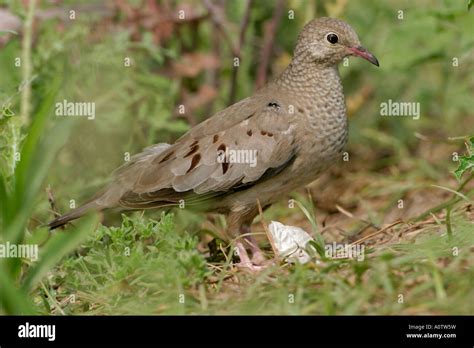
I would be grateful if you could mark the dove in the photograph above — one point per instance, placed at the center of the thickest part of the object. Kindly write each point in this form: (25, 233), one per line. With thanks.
(252, 153)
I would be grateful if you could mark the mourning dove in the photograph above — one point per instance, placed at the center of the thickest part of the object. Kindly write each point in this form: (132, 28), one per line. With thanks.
(256, 150)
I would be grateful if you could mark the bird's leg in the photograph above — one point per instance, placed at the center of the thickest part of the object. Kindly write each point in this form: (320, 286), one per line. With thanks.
(258, 258)
(237, 224)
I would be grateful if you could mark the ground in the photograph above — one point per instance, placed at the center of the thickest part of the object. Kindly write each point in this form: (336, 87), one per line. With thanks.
(417, 261)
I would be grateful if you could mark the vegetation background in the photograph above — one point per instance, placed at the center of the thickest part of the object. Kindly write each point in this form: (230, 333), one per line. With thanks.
(397, 194)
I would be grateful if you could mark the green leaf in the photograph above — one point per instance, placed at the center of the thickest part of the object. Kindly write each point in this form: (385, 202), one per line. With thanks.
(466, 162)
(6, 111)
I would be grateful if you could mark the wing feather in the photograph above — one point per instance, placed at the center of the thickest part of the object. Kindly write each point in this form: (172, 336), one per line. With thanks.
(254, 147)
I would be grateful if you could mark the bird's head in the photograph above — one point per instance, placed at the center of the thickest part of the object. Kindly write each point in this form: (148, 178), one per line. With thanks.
(328, 40)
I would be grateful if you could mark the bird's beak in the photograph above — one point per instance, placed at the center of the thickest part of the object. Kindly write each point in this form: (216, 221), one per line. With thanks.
(362, 52)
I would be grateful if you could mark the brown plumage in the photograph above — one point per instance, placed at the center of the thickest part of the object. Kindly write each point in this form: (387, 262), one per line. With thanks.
(295, 127)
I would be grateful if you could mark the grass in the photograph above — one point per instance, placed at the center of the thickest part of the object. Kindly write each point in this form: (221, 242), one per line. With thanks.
(149, 267)
(165, 274)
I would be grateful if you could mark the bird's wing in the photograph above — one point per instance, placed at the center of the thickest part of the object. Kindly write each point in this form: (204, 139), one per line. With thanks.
(212, 159)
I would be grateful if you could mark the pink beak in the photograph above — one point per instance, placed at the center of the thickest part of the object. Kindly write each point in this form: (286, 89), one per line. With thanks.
(362, 52)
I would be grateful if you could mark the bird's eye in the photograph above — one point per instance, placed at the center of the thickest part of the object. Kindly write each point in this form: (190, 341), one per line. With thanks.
(332, 38)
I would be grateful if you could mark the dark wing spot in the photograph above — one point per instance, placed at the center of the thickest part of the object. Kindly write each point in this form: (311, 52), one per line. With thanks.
(263, 133)
(270, 134)
(300, 110)
(249, 132)
(274, 105)
(249, 116)
(195, 143)
(269, 173)
(167, 157)
(225, 167)
(225, 163)
(194, 162)
(214, 140)
(193, 150)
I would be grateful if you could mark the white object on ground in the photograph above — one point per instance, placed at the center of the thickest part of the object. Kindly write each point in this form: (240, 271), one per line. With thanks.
(290, 242)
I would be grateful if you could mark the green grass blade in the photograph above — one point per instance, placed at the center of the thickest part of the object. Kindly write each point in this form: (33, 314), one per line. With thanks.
(3, 203)
(29, 153)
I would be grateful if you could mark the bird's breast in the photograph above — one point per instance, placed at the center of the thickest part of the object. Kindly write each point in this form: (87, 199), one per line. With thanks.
(324, 125)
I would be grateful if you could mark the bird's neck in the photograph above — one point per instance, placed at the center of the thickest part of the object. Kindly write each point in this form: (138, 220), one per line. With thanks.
(303, 76)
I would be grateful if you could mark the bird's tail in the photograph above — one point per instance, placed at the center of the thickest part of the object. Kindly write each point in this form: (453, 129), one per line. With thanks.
(75, 214)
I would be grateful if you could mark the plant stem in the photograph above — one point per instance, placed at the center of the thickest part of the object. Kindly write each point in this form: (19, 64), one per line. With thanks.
(448, 222)
(26, 63)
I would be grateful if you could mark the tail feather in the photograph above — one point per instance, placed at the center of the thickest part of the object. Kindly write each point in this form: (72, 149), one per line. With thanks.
(74, 214)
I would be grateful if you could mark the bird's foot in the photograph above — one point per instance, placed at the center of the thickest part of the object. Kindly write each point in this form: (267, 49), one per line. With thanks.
(249, 266)
(258, 258)
(258, 262)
